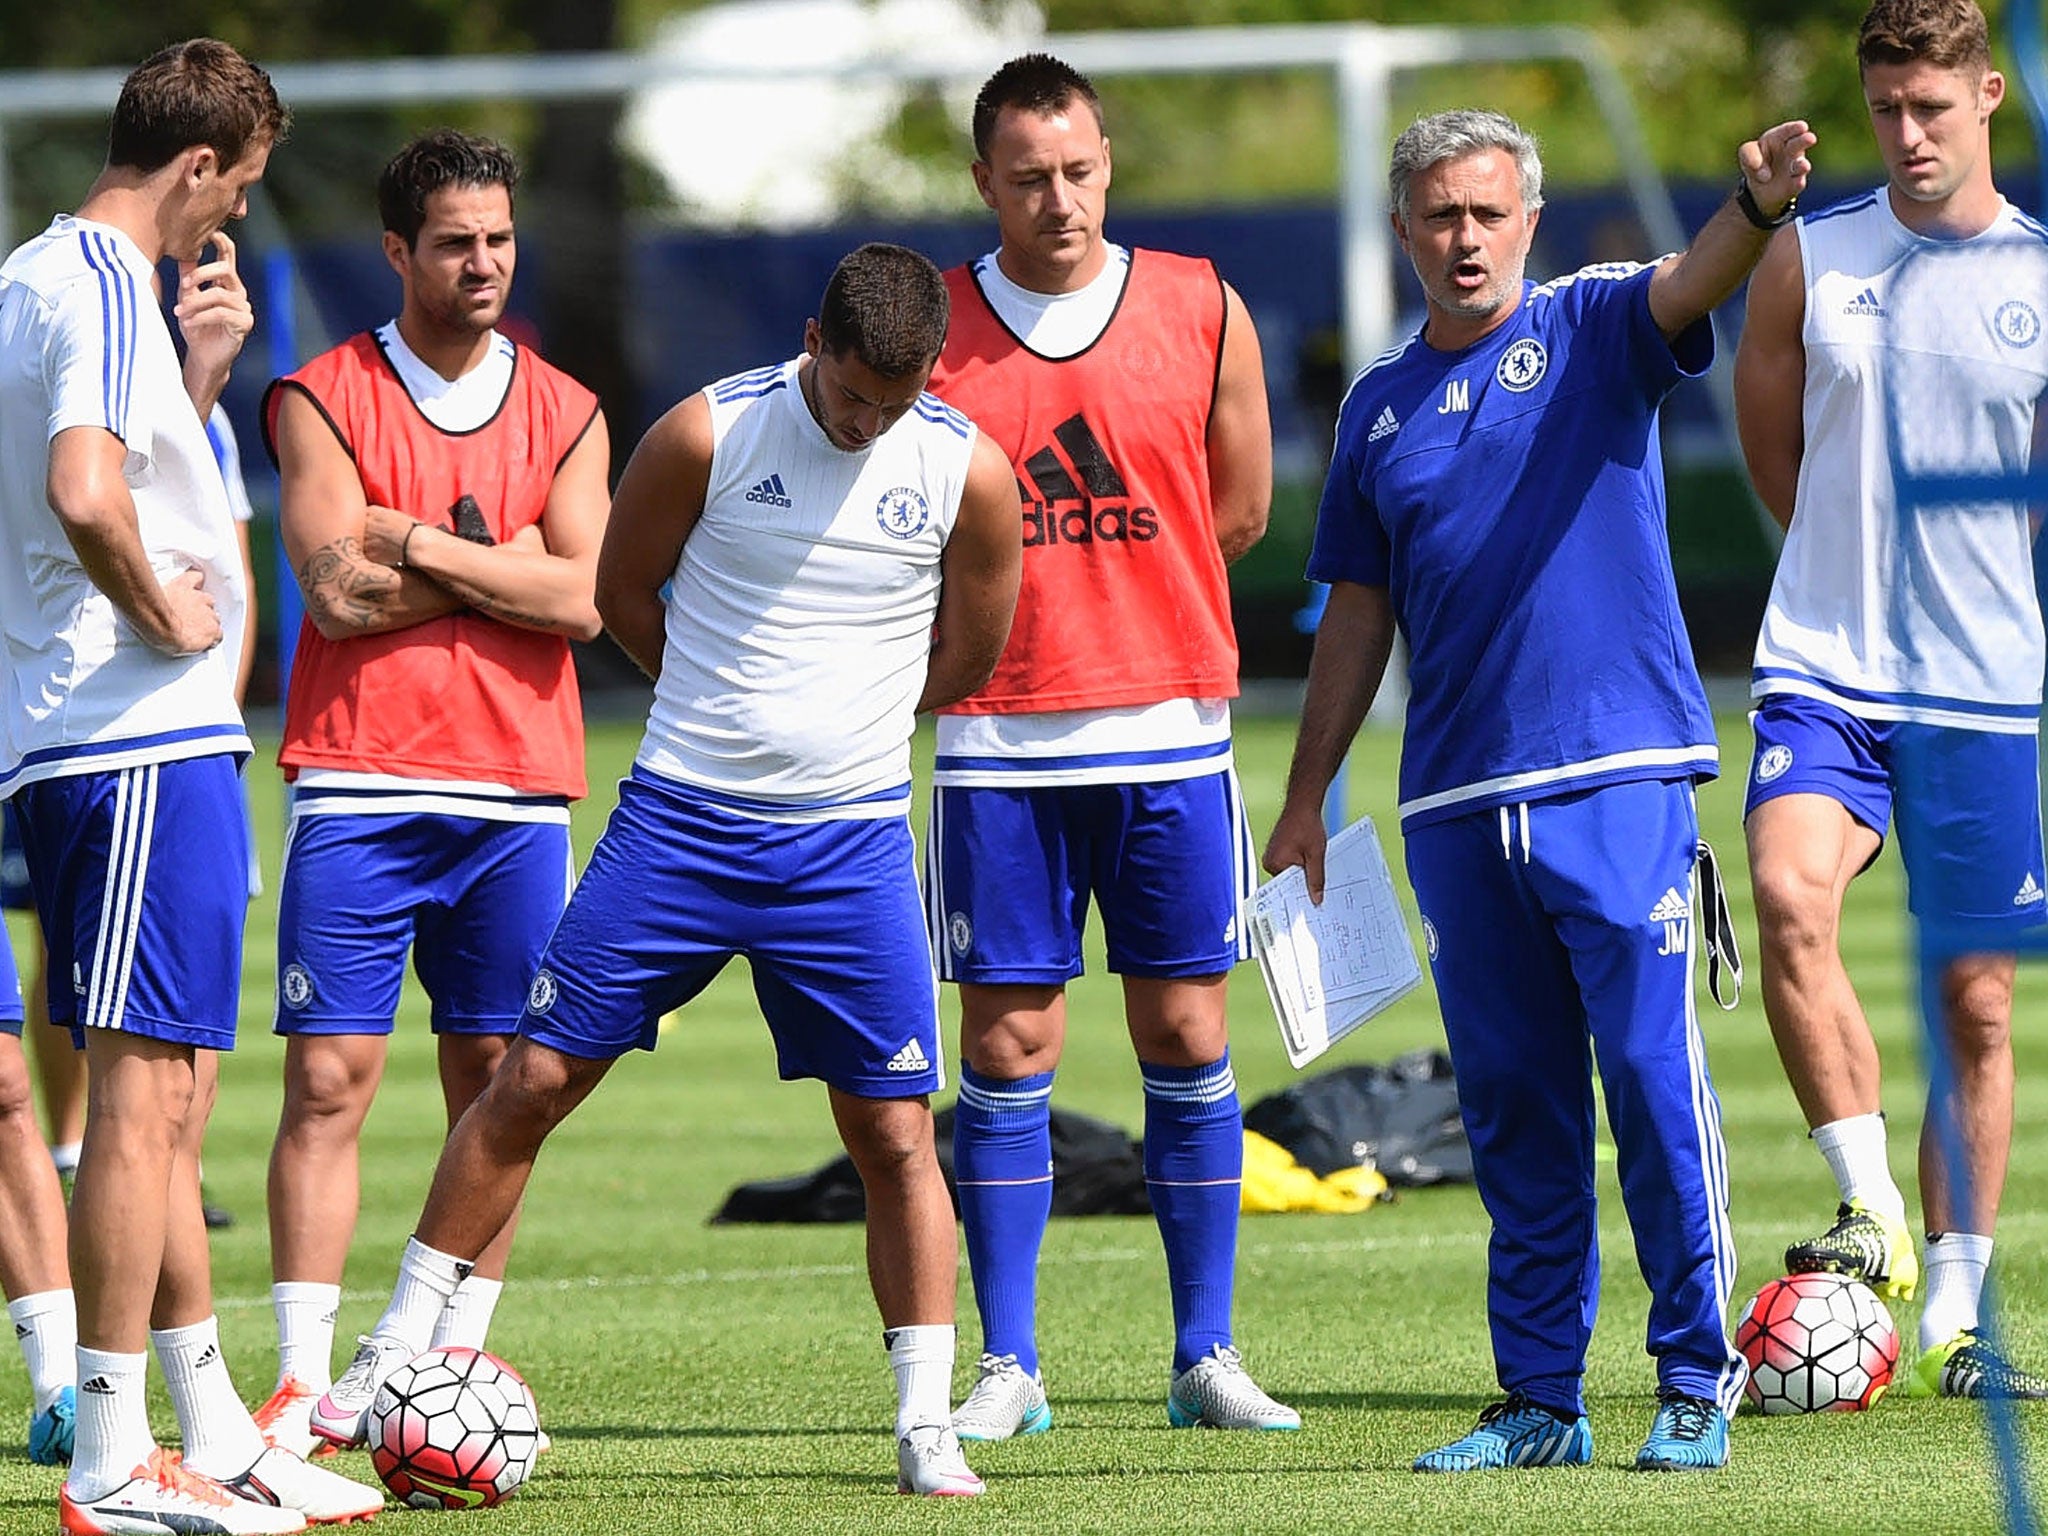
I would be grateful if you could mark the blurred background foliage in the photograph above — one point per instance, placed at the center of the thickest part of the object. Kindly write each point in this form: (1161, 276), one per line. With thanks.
(1704, 74)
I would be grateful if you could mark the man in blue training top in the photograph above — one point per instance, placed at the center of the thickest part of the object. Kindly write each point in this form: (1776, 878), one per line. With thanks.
(1497, 493)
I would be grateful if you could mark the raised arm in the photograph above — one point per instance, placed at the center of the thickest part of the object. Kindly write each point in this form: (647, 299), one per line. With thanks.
(1240, 436)
(321, 517)
(94, 507)
(548, 586)
(1699, 279)
(1770, 377)
(215, 318)
(979, 575)
(659, 500)
(1352, 645)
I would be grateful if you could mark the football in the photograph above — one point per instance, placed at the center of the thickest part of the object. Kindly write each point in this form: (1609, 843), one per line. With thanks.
(1816, 1344)
(454, 1429)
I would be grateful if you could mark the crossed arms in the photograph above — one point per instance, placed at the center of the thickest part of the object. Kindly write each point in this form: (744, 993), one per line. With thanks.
(364, 569)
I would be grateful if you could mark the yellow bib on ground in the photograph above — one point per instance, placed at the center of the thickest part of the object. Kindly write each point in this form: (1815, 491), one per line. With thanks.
(1274, 1181)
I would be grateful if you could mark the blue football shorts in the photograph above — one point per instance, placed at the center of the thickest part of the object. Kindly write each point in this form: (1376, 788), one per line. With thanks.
(1967, 803)
(1009, 874)
(15, 894)
(473, 899)
(12, 1015)
(825, 912)
(141, 878)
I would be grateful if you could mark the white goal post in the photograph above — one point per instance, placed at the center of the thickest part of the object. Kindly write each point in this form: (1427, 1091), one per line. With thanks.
(1363, 59)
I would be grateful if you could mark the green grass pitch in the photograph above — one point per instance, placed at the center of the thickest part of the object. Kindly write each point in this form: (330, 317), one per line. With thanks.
(732, 1379)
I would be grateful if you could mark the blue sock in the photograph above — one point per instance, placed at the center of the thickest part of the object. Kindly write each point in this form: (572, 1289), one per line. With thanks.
(1194, 1165)
(1002, 1163)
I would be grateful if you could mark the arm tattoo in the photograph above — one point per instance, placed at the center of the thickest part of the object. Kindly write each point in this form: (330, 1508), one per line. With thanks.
(340, 581)
(483, 602)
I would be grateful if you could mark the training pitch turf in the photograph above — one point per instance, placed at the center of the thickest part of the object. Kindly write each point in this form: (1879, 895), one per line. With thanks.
(732, 1379)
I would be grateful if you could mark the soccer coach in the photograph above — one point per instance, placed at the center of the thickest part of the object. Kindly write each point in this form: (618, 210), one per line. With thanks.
(1497, 493)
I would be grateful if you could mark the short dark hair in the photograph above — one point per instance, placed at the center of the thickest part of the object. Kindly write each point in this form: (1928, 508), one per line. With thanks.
(200, 91)
(886, 305)
(1949, 34)
(1031, 82)
(436, 160)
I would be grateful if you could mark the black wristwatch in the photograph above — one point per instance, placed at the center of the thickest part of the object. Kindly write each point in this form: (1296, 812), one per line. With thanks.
(1746, 201)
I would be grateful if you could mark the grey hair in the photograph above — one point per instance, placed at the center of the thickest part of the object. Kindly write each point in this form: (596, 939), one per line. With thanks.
(1445, 136)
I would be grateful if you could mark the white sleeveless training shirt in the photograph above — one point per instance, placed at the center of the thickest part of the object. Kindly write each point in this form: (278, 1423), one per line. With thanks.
(800, 614)
(1933, 349)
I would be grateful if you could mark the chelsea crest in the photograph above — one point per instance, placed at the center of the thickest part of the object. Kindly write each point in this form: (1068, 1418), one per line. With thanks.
(1522, 366)
(903, 512)
(2017, 324)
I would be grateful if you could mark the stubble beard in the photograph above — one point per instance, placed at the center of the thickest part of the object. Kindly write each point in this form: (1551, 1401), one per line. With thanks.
(460, 317)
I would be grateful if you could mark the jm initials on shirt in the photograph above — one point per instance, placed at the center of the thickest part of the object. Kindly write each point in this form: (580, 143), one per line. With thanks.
(1457, 397)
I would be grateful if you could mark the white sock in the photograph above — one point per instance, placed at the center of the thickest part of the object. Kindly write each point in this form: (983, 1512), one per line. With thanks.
(46, 1328)
(922, 1358)
(1953, 1266)
(427, 1277)
(220, 1439)
(113, 1438)
(65, 1155)
(466, 1316)
(1855, 1152)
(305, 1310)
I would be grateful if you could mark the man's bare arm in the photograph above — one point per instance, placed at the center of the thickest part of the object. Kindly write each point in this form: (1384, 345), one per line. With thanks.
(1770, 377)
(1352, 645)
(96, 510)
(979, 574)
(322, 514)
(1692, 284)
(659, 500)
(1240, 436)
(215, 318)
(548, 586)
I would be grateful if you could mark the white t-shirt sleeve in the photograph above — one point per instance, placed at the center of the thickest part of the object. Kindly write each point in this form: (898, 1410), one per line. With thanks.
(89, 358)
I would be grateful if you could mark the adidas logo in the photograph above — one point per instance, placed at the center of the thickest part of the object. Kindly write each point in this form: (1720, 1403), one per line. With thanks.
(1384, 425)
(910, 1059)
(99, 1386)
(2029, 892)
(207, 1357)
(23, 1330)
(463, 1269)
(769, 493)
(1075, 467)
(1865, 303)
(1671, 907)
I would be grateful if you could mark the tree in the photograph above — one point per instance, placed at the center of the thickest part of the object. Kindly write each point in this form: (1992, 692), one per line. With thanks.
(326, 180)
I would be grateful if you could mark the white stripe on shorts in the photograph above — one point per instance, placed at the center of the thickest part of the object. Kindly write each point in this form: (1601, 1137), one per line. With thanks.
(935, 886)
(1245, 860)
(121, 899)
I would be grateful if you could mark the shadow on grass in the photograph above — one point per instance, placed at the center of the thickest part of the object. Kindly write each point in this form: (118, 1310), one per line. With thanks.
(718, 1481)
(599, 1434)
(706, 1482)
(1116, 1415)
(1391, 1402)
